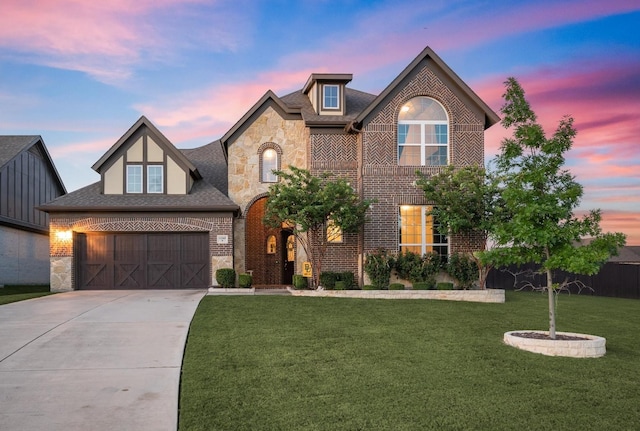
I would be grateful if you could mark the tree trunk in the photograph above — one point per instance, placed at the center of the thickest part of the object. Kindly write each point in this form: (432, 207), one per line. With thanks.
(552, 306)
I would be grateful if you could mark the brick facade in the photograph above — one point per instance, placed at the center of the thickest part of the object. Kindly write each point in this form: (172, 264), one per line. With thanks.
(394, 185)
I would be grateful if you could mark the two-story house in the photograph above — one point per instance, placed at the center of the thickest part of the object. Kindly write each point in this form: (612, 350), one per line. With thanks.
(28, 178)
(209, 202)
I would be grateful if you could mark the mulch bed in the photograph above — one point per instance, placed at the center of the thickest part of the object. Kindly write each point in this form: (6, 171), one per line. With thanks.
(541, 336)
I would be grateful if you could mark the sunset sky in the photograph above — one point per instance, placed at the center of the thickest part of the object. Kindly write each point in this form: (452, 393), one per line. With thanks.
(80, 73)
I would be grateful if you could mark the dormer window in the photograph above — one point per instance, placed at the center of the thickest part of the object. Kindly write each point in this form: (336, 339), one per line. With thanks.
(134, 179)
(330, 96)
(155, 179)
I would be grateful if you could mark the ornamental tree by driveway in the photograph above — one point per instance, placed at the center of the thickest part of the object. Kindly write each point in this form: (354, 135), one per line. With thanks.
(464, 201)
(538, 198)
(316, 208)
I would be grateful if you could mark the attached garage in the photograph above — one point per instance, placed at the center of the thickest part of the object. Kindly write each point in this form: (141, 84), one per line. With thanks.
(164, 260)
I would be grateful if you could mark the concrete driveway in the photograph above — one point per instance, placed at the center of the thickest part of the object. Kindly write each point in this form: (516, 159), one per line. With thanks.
(94, 360)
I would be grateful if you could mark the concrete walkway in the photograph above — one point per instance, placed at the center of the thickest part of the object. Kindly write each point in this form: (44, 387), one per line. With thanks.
(94, 360)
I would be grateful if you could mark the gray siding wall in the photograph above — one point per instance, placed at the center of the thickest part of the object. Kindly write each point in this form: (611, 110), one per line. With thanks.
(24, 257)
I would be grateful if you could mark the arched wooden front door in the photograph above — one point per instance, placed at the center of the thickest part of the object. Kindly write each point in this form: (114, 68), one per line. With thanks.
(270, 252)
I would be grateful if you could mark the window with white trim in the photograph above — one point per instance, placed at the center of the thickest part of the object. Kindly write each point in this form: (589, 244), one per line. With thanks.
(155, 179)
(269, 164)
(134, 178)
(330, 96)
(423, 133)
(420, 233)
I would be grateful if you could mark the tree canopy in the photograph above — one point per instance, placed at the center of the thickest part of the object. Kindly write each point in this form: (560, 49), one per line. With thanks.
(308, 203)
(538, 197)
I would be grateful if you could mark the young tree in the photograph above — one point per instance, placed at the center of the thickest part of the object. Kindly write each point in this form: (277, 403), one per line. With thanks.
(538, 197)
(309, 204)
(464, 202)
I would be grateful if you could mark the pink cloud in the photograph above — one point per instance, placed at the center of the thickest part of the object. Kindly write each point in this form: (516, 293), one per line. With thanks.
(103, 38)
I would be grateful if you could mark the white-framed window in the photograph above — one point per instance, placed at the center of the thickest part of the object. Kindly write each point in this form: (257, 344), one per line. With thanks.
(155, 179)
(269, 164)
(330, 96)
(423, 133)
(134, 178)
(334, 232)
(420, 233)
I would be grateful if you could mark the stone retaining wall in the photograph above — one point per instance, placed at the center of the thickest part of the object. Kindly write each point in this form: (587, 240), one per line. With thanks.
(488, 295)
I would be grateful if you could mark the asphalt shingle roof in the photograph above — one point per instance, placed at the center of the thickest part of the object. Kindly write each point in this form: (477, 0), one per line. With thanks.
(356, 102)
(206, 194)
(11, 146)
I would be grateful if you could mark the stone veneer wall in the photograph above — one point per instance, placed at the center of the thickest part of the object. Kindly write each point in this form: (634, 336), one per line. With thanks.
(393, 185)
(291, 137)
(62, 270)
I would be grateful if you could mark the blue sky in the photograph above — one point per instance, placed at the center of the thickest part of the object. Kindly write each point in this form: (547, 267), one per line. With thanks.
(80, 73)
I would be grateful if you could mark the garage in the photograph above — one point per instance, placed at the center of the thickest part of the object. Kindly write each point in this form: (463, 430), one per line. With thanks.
(161, 260)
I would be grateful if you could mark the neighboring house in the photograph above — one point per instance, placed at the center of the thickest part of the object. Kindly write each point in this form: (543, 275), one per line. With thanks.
(424, 120)
(28, 178)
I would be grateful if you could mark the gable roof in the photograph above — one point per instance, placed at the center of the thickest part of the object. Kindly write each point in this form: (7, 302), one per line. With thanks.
(428, 54)
(11, 146)
(164, 142)
(208, 193)
(268, 99)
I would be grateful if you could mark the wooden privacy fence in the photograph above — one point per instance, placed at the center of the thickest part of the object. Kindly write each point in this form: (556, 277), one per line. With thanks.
(614, 279)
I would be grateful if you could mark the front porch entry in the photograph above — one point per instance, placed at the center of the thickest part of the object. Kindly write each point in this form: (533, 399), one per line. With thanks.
(270, 252)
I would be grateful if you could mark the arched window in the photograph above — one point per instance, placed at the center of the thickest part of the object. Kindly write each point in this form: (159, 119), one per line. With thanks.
(269, 163)
(423, 133)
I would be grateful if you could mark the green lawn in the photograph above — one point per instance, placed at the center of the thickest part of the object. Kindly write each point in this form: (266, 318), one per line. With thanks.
(285, 363)
(19, 293)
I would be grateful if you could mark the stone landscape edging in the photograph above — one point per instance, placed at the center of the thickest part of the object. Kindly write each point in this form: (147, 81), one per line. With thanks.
(486, 295)
(591, 346)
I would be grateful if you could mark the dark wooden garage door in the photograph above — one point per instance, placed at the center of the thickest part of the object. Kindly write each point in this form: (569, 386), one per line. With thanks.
(142, 260)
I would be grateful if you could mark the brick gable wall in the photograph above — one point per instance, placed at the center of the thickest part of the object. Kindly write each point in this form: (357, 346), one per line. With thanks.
(393, 185)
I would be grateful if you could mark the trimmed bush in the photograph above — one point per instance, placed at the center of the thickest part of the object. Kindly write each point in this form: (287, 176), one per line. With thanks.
(245, 280)
(300, 282)
(348, 278)
(424, 285)
(444, 285)
(463, 269)
(378, 266)
(396, 286)
(369, 287)
(328, 279)
(226, 277)
(341, 285)
(415, 268)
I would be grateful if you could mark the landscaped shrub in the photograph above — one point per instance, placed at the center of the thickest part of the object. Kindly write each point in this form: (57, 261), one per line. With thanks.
(300, 282)
(349, 279)
(463, 269)
(369, 287)
(226, 277)
(444, 285)
(245, 280)
(378, 266)
(328, 279)
(341, 285)
(425, 285)
(396, 286)
(415, 268)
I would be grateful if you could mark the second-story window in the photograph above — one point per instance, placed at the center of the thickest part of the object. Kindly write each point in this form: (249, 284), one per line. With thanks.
(423, 133)
(330, 97)
(155, 179)
(134, 178)
(269, 164)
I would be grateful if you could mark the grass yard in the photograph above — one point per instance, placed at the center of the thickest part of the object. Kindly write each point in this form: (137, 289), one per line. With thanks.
(19, 293)
(285, 363)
